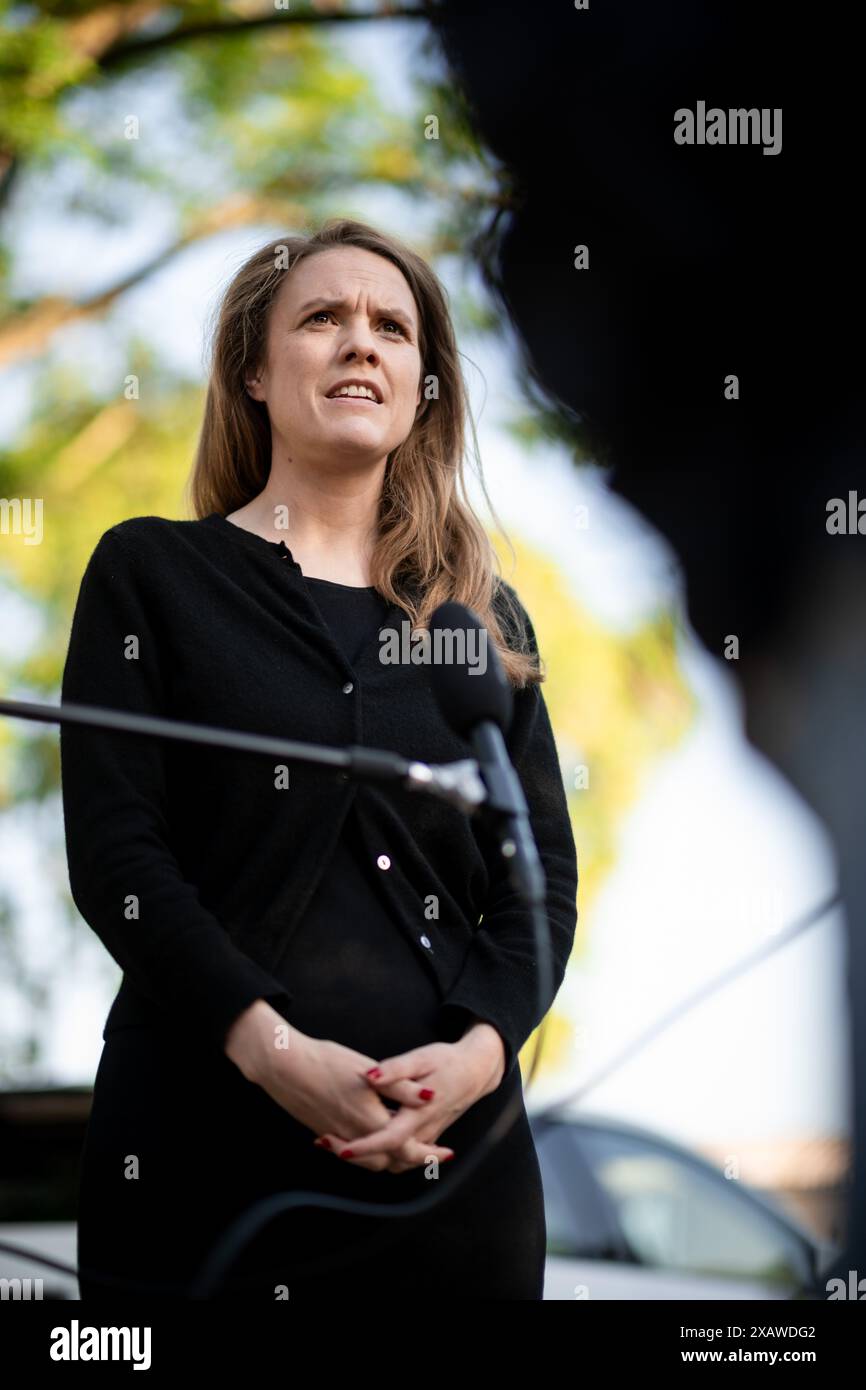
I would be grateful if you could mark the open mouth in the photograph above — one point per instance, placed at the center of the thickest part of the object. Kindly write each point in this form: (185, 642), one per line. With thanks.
(356, 391)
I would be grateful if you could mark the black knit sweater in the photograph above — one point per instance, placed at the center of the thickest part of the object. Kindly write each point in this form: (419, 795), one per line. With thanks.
(195, 866)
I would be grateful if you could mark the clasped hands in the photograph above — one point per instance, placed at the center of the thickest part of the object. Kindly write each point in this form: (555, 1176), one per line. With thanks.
(337, 1092)
(434, 1085)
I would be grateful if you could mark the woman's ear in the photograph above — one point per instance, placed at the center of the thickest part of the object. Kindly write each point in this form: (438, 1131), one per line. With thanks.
(254, 386)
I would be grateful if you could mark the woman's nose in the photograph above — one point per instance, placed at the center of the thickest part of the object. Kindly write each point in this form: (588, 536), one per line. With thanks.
(360, 343)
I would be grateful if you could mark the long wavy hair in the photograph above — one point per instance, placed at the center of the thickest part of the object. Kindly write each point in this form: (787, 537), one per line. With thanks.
(430, 546)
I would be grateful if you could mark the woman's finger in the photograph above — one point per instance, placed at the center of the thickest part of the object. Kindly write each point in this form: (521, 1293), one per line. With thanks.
(415, 1154)
(336, 1145)
(411, 1152)
(409, 1144)
(414, 1093)
(409, 1066)
(387, 1140)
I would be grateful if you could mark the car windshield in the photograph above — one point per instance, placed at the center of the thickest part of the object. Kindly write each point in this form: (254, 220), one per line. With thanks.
(675, 1216)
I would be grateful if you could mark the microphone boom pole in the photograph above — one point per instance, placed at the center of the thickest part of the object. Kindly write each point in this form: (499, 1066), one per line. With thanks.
(457, 782)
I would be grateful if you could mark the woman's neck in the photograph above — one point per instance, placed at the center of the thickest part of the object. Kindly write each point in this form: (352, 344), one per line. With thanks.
(326, 547)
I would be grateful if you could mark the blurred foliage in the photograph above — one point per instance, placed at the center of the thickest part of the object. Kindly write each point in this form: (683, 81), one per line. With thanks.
(263, 126)
(268, 126)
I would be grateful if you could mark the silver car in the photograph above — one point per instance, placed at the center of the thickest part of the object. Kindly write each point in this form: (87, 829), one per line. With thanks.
(633, 1215)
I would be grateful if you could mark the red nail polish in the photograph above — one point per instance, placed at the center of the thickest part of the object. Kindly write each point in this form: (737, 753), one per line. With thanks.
(347, 1153)
(447, 1158)
(374, 1071)
(324, 1143)
(426, 1094)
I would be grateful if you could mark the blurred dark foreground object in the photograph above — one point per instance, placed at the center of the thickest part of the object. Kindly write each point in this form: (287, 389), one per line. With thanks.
(708, 260)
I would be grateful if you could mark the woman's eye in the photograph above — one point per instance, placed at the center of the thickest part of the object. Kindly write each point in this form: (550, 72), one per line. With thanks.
(326, 313)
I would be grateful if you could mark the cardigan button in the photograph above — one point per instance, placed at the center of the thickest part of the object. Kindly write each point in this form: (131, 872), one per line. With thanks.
(383, 861)
(425, 941)
(348, 688)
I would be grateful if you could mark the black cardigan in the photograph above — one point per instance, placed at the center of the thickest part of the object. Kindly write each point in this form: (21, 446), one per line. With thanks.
(194, 865)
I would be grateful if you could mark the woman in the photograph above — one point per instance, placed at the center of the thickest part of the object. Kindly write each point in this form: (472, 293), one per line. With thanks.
(282, 930)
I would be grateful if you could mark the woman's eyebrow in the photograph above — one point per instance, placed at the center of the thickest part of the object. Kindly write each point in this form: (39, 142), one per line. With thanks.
(323, 303)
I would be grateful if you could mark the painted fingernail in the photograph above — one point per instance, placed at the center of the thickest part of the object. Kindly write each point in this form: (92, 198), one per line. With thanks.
(375, 1071)
(447, 1157)
(426, 1095)
(323, 1143)
(347, 1153)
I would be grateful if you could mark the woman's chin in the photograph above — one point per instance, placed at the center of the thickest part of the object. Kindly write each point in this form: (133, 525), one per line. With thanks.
(355, 437)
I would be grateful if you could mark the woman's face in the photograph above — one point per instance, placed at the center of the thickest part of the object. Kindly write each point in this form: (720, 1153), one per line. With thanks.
(341, 314)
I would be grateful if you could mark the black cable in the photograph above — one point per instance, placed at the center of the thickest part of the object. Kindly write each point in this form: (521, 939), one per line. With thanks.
(211, 1273)
(637, 1045)
(257, 1216)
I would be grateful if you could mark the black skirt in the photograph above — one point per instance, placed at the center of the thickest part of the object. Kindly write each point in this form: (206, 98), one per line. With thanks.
(179, 1144)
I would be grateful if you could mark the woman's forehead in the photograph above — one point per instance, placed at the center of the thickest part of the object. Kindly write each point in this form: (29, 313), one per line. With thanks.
(341, 273)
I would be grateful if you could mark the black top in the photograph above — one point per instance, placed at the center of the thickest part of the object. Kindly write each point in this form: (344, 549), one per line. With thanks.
(196, 866)
(353, 975)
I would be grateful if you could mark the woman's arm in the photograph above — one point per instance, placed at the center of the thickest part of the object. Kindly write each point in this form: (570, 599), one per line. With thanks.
(498, 981)
(480, 1040)
(124, 877)
(493, 1006)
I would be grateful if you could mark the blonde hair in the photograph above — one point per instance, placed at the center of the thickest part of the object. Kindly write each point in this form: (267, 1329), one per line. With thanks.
(430, 545)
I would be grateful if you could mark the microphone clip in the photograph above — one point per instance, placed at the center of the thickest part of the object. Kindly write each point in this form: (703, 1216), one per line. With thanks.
(459, 783)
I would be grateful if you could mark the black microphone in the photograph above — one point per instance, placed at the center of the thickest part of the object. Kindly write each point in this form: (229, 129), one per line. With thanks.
(476, 699)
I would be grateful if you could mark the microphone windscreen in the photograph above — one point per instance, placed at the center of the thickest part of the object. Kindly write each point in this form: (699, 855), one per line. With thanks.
(468, 679)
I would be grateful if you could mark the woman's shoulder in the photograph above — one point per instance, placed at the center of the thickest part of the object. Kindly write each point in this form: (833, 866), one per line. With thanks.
(142, 552)
(149, 530)
(146, 541)
(512, 614)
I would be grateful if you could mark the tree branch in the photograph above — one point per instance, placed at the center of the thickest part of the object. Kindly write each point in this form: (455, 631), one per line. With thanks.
(25, 334)
(9, 169)
(131, 51)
